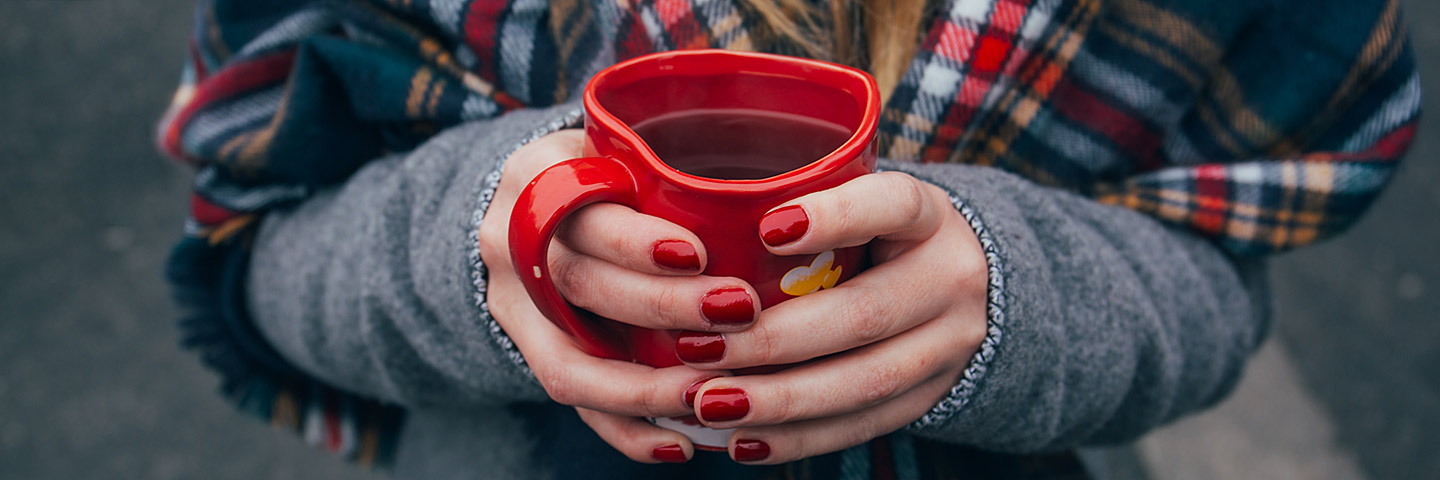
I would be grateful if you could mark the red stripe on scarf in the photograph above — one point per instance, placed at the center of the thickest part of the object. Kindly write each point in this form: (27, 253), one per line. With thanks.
(197, 62)
(990, 55)
(635, 41)
(229, 81)
(1126, 131)
(482, 25)
(1385, 150)
(1391, 146)
(1211, 188)
(685, 30)
(882, 462)
(954, 42)
(207, 213)
(1009, 15)
(334, 439)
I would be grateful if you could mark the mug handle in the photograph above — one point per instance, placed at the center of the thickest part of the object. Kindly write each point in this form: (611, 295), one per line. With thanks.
(553, 195)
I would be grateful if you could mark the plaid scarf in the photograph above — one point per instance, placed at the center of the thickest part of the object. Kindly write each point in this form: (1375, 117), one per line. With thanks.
(1261, 125)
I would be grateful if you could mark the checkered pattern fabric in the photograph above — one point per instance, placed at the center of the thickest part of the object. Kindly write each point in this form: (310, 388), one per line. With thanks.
(1261, 125)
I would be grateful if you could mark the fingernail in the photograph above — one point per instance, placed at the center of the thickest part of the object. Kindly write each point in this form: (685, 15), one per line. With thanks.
(728, 306)
(700, 347)
(669, 453)
(693, 389)
(724, 404)
(783, 226)
(751, 450)
(676, 255)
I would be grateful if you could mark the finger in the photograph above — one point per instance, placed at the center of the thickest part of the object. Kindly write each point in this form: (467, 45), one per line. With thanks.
(572, 377)
(642, 243)
(653, 301)
(889, 205)
(882, 302)
(529, 160)
(637, 438)
(832, 386)
(520, 167)
(777, 444)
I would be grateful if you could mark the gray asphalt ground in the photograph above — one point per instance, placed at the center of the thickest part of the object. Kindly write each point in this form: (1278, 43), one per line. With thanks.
(92, 384)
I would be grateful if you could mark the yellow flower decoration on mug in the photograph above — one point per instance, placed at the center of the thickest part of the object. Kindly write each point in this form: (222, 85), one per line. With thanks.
(821, 273)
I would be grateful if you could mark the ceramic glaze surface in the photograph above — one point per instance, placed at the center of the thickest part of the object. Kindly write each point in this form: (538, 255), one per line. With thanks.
(724, 213)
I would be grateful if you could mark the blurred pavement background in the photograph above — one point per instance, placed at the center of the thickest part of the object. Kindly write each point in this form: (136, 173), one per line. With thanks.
(92, 383)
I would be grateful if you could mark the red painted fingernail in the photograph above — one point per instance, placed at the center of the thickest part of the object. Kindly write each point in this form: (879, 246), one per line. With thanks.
(783, 226)
(693, 389)
(676, 255)
(724, 404)
(700, 347)
(728, 306)
(751, 450)
(669, 453)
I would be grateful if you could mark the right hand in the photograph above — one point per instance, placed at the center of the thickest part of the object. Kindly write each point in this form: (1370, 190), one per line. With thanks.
(603, 260)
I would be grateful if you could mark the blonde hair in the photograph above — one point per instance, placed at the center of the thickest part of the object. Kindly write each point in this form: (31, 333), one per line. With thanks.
(890, 28)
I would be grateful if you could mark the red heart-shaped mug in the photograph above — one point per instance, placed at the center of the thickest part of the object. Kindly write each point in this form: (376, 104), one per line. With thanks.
(710, 140)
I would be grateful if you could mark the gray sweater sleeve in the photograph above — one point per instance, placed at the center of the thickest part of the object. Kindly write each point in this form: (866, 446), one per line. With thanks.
(1104, 323)
(376, 286)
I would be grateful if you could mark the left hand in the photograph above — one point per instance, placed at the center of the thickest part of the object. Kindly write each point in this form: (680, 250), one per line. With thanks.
(882, 348)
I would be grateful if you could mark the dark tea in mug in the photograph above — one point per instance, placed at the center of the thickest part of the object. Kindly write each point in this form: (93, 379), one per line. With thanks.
(739, 144)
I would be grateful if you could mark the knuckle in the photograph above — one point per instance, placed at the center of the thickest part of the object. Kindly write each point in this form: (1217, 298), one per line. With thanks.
(522, 165)
(800, 446)
(595, 226)
(764, 344)
(867, 322)
(647, 399)
(571, 277)
(867, 426)
(845, 212)
(910, 201)
(666, 308)
(783, 406)
(621, 242)
(918, 367)
(494, 246)
(500, 298)
(883, 382)
(558, 385)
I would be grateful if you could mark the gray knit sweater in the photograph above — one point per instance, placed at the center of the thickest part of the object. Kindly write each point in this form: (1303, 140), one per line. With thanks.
(1104, 323)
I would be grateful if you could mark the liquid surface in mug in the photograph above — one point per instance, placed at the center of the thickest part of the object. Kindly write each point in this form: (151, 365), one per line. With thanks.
(739, 144)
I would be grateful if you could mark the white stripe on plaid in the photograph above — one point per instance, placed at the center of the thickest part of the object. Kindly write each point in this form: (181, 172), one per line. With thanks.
(942, 78)
(1083, 149)
(1355, 178)
(361, 35)
(973, 10)
(1040, 14)
(654, 28)
(517, 46)
(723, 20)
(1400, 108)
(477, 107)
(447, 15)
(349, 437)
(313, 430)
(224, 119)
(1134, 92)
(466, 57)
(1142, 97)
(244, 198)
(290, 30)
(1179, 150)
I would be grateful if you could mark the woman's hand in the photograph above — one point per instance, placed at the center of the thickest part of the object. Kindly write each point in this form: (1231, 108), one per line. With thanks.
(884, 347)
(621, 265)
